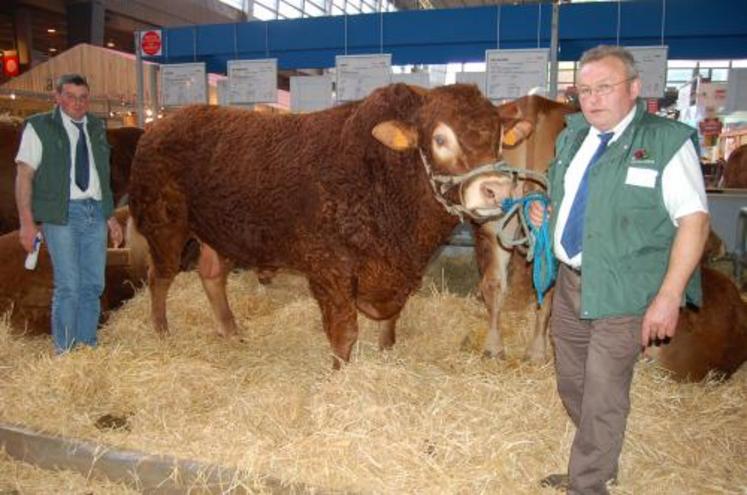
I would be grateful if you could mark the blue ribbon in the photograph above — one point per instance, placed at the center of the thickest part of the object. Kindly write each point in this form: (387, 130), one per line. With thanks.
(543, 268)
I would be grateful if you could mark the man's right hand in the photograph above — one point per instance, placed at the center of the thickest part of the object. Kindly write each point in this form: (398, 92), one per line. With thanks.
(537, 213)
(26, 236)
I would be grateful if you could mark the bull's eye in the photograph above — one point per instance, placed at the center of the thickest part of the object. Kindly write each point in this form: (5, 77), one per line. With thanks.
(445, 145)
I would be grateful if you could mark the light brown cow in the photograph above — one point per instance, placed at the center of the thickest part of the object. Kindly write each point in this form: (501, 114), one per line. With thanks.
(123, 142)
(344, 196)
(27, 294)
(712, 339)
(533, 152)
(735, 172)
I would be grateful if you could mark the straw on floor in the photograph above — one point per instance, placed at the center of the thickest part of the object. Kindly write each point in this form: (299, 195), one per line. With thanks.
(426, 417)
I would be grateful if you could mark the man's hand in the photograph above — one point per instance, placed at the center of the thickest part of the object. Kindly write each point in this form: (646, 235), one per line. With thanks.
(660, 319)
(115, 232)
(537, 213)
(27, 235)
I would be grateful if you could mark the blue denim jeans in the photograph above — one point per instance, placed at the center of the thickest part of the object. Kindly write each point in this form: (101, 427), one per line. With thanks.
(78, 253)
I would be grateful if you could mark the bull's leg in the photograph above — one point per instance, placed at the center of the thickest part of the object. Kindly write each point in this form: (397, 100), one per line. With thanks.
(492, 259)
(537, 351)
(213, 271)
(159, 288)
(387, 333)
(166, 229)
(339, 317)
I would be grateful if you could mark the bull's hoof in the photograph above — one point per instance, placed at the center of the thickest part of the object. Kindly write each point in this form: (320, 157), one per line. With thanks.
(500, 355)
(535, 358)
(229, 332)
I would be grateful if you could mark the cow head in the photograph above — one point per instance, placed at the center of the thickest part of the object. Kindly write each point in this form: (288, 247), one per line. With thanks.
(457, 132)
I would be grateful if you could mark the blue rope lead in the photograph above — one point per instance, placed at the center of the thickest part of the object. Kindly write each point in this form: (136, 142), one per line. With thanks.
(540, 245)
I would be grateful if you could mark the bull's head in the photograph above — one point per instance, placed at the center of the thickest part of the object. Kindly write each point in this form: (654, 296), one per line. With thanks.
(459, 133)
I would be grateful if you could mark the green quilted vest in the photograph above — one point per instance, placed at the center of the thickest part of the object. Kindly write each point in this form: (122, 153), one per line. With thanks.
(628, 234)
(51, 191)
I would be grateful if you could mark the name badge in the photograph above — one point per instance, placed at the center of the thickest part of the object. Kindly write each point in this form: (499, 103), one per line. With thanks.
(641, 177)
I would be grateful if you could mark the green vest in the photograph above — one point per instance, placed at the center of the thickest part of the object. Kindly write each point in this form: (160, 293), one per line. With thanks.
(51, 188)
(628, 234)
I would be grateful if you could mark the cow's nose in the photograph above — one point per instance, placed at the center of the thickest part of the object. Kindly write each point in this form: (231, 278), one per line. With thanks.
(492, 192)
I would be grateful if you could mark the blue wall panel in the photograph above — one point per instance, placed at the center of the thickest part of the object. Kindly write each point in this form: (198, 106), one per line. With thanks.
(693, 29)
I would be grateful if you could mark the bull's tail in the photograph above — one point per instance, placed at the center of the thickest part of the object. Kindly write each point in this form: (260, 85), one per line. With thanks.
(139, 252)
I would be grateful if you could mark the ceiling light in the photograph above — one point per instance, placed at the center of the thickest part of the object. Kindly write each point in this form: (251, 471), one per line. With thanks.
(110, 44)
(51, 30)
(53, 49)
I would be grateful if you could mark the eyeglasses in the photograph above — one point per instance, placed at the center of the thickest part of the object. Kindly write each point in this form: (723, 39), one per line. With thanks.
(72, 97)
(600, 90)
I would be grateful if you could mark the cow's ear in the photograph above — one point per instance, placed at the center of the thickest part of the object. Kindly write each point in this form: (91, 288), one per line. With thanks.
(509, 111)
(396, 135)
(517, 132)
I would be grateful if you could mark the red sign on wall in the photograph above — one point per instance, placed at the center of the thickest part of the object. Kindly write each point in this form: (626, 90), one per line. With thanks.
(11, 66)
(150, 43)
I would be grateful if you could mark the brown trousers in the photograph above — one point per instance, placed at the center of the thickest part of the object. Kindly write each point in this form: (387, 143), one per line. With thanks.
(594, 363)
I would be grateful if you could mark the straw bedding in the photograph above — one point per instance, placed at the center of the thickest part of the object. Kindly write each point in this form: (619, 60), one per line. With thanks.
(426, 417)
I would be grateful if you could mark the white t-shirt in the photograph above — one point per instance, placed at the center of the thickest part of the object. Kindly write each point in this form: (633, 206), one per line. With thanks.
(682, 186)
(30, 152)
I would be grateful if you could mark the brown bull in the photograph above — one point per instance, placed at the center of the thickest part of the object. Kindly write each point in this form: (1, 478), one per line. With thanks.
(123, 142)
(342, 196)
(27, 294)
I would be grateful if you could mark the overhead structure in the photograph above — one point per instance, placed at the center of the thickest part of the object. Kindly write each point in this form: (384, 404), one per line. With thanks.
(692, 29)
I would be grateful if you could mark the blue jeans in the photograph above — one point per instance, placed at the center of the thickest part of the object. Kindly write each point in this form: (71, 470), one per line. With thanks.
(78, 253)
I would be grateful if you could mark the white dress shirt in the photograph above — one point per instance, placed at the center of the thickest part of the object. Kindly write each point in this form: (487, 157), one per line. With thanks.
(30, 152)
(682, 185)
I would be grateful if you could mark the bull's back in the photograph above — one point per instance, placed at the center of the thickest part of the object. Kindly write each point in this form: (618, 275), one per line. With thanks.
(244, 180)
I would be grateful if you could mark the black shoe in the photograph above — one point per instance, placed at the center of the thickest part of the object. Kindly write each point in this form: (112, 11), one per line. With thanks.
(557, 481)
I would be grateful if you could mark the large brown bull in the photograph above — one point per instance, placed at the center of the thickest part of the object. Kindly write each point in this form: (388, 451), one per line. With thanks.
(343, 196)
(123, 142)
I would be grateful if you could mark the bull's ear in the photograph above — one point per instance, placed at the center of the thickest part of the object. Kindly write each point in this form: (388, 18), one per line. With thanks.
(396, 135)
(517, 132)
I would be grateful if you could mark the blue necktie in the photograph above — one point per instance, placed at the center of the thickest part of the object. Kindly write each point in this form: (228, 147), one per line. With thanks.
(572, 239)
(81, 159)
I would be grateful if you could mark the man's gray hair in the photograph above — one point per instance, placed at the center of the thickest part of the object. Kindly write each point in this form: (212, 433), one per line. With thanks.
(75, 79)
(603, 51)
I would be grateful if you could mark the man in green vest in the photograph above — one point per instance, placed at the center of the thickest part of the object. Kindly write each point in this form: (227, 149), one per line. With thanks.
(629, 221)
(63, 186)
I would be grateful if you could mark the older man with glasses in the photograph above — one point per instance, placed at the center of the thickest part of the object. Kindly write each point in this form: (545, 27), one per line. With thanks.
(629, 219)
(62, 186)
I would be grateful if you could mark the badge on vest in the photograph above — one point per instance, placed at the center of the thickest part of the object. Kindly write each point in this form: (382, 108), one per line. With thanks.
(641, 177)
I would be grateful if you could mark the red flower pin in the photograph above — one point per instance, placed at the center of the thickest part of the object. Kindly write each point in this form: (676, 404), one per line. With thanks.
(640, 154)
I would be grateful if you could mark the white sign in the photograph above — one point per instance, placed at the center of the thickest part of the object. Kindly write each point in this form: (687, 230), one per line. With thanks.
(514, 73)
(421, 79)
(359, 75)
(736, 94)
(253, 81)
(477, 78)
(183, 84)
(651, 62)
(310, 93)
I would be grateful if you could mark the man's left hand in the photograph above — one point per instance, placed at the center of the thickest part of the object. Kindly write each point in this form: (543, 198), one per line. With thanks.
(115, 232)
(660, 320)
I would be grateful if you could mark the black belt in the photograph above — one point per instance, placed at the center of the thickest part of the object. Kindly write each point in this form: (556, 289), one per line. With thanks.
(575, 270)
